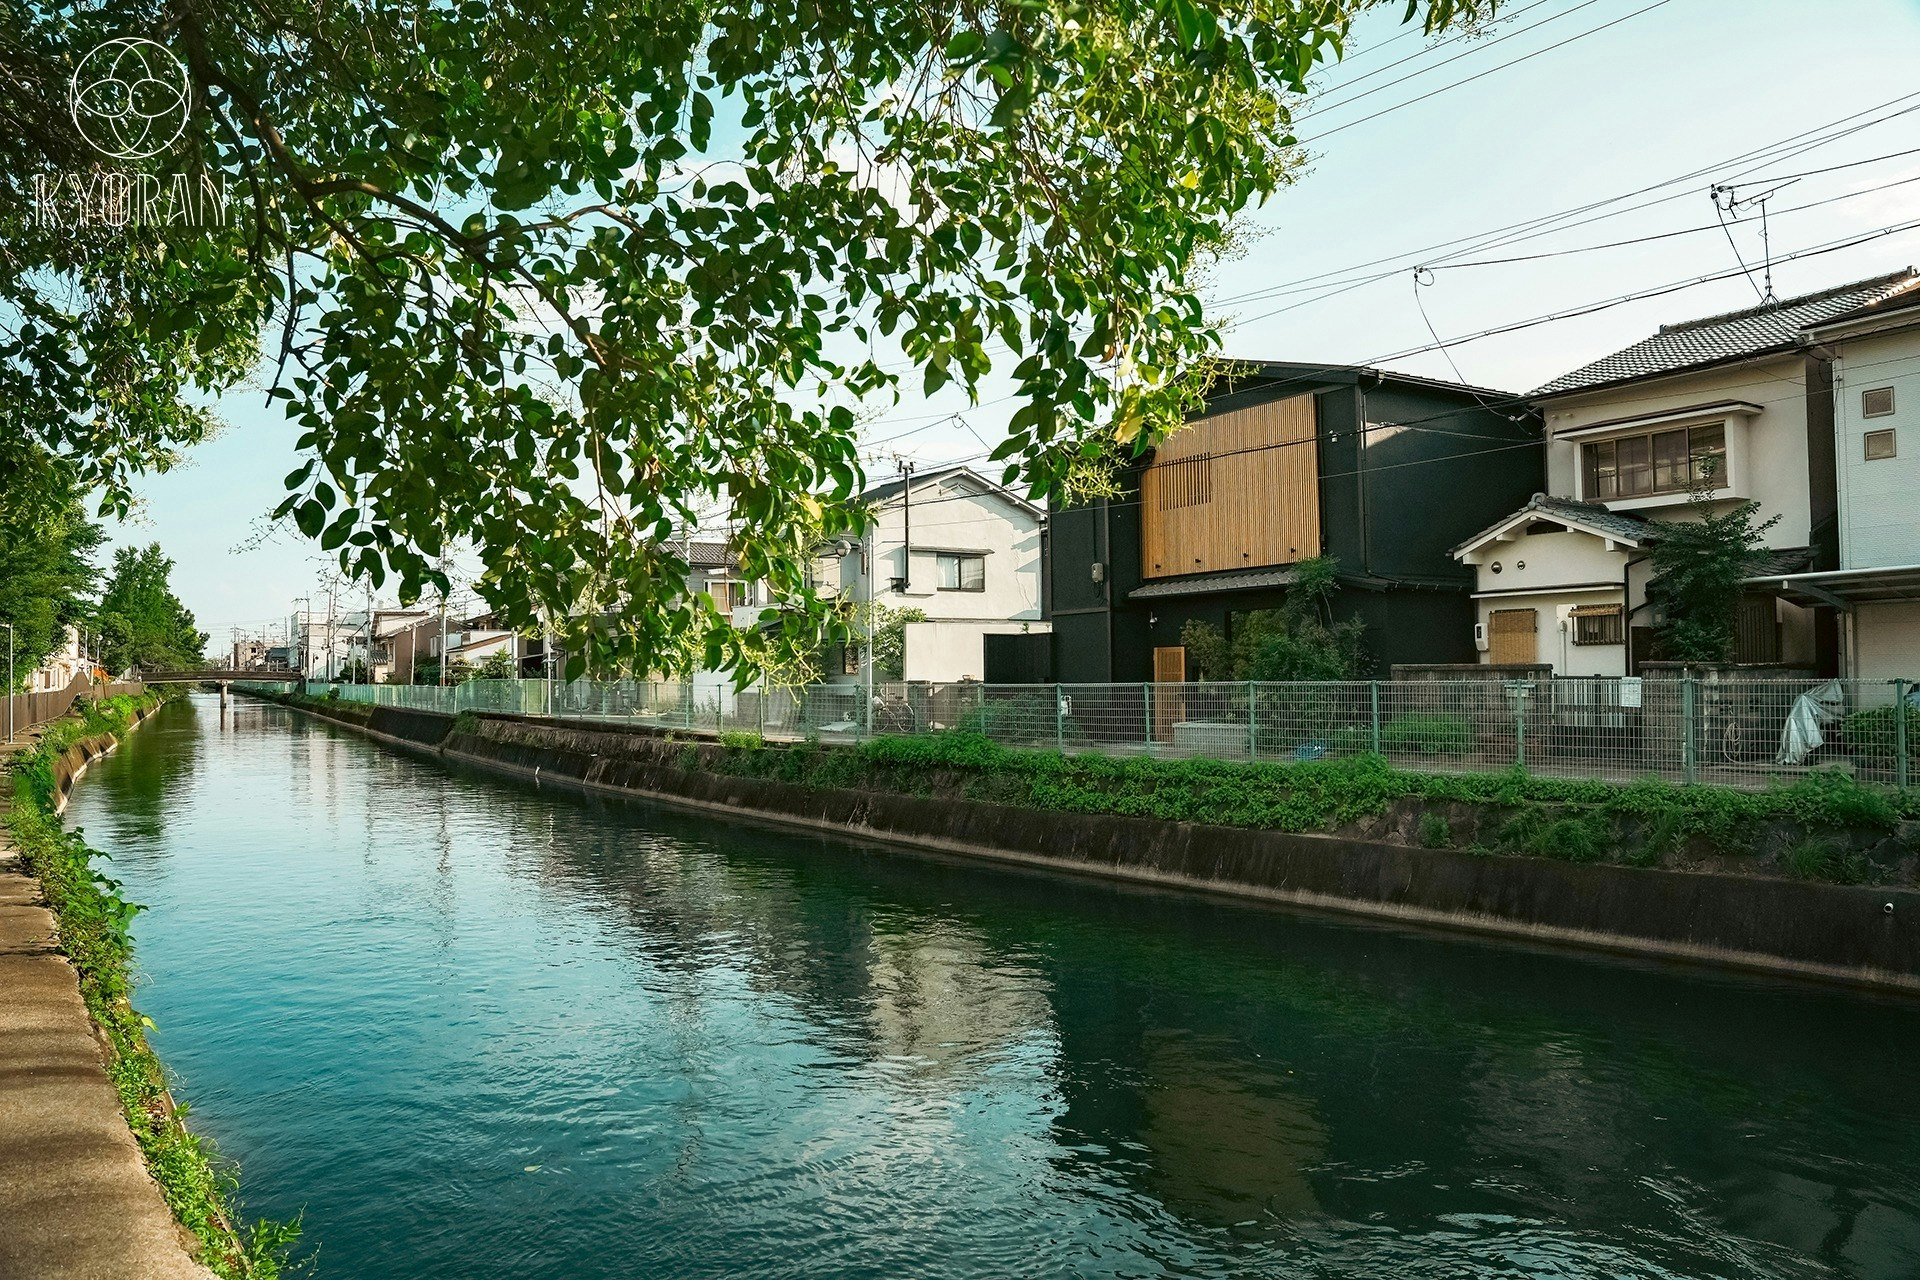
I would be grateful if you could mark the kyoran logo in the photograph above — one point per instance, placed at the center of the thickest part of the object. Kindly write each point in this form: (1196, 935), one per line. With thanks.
(131, 99)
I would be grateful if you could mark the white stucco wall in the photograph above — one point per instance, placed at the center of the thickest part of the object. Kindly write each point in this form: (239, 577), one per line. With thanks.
(951, 515)
(1879, 500)
(1766, 453)
(1550, 573)
(950, 651)
(1886, 641)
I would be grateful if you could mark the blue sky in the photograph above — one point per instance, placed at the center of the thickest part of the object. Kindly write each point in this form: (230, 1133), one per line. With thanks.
(1637, 95)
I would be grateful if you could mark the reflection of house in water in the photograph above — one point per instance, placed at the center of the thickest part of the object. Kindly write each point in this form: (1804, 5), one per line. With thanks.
(938, 994)
(1226, 1140)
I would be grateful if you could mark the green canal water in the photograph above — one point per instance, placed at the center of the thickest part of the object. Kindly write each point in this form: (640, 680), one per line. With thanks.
(472, 1030)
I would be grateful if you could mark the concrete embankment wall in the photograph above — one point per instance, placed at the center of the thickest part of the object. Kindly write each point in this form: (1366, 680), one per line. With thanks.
(1865, 936)
(73, 762)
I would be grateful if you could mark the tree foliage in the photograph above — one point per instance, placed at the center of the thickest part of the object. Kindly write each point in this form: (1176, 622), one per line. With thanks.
(141, 622)
(1298, 641)
(47, 573)
(552, 280)
(1699, 568)
(890, 640)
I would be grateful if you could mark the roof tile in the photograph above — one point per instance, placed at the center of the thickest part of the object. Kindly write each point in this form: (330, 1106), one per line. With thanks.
(1736, 335)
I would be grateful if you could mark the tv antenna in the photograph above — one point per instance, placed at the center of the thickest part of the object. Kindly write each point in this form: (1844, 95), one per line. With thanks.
(1728, 202)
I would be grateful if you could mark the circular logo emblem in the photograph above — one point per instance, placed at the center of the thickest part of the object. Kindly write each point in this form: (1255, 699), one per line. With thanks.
(130, 98)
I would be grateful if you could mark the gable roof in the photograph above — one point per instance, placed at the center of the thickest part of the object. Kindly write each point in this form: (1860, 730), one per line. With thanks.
(884, 490)
(1736, 335)
(1586, 517)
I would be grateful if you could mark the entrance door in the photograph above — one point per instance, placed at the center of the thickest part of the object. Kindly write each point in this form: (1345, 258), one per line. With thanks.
(1169, 668)
(1511, 637)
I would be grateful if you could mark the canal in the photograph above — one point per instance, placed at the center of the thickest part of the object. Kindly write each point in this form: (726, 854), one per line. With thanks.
(472, 1030)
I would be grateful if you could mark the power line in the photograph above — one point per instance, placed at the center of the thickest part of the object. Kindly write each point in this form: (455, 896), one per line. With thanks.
(1479, 75)
(1316, 109)
(1543, 224)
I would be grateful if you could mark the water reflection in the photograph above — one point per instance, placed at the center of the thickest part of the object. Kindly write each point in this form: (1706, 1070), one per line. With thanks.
(478, 1030)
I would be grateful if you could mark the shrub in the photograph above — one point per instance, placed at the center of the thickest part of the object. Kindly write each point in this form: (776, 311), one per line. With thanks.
(741, 740)
(1876, 731)
(1435, 831)
(1432, 735)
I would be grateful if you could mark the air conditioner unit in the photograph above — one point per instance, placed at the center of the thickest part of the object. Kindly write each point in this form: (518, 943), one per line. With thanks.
(1480, 636)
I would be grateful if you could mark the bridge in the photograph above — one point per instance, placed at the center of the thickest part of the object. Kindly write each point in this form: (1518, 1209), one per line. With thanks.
(218, 675)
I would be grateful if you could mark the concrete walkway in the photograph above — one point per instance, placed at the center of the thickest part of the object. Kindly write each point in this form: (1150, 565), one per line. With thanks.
(76, 1202)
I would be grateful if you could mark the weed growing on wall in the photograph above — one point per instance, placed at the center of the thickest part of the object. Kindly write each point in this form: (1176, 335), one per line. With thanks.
(1640, 824)
(94, 919)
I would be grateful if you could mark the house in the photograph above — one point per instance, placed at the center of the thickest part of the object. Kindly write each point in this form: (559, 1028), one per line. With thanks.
(964, 551)
(1866, 578)
(1720, 404)
(1382, 471)
(61, 667)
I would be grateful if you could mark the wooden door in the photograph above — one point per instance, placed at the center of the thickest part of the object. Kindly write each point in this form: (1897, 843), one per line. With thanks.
(1512, 639)
(1169, 707)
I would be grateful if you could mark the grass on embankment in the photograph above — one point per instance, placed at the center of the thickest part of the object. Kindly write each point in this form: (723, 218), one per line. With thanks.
(1825, 826)
(93, 922)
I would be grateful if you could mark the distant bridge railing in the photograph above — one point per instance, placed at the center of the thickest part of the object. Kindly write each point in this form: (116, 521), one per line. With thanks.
(1735, 731)
(219, 675)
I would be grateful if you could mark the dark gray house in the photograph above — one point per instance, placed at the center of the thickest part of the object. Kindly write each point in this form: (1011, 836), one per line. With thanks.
(1386, 472)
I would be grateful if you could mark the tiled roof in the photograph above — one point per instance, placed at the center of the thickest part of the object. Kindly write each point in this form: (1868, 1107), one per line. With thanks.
(1206, 584)
(1737, 335)
(1587, 515)
(1778, 561)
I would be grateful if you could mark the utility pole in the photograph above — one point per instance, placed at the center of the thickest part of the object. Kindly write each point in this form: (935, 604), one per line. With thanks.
(11, 689)
(867, 664)
(906, 523)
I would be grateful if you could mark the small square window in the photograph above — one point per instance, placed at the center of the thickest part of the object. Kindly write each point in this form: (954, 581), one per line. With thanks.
(1880, 444)
(1877, 403)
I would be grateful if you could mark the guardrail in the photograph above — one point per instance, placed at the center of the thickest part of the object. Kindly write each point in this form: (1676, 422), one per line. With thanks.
(1731, 731)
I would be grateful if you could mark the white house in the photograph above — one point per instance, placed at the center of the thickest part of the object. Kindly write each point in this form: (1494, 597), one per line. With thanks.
(1721, 403)
(1874, 392)
(959, 548)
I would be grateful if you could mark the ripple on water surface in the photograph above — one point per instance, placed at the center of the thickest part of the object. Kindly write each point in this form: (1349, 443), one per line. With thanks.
(474, 1030)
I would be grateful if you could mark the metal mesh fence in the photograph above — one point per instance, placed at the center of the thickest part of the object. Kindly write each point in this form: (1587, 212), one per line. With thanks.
(1739, 731)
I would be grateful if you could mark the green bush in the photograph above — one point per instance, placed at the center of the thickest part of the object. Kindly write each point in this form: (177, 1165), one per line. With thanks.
(1875, 732)
(1431, 735)
(1435, 831)
(741, 740)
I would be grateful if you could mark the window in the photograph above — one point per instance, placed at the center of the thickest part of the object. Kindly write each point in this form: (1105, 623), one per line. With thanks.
(1186, 483)
(963, 572)
(1877, 403)
(1880, 444)
(1659, 462)
(1599, 624)
(850, 660)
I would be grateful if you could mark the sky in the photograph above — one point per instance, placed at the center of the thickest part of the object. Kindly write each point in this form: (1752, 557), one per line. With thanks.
(1420, 152)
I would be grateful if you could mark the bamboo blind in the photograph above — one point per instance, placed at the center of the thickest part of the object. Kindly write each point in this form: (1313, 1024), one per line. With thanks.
(1234, 491)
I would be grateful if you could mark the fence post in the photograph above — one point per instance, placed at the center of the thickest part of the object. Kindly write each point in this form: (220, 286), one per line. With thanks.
(1253, 727)
(686, 701)
(1519, 692)
(1059, 720)
(1146, 725)
(1690, 734)
(1373, 713)
(763, 706)
(1900, 733)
